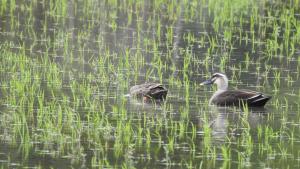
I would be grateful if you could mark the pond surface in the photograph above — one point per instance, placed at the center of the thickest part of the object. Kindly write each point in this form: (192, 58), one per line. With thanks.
(67, 66)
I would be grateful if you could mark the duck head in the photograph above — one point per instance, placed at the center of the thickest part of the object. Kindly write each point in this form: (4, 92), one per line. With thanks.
(219, 79)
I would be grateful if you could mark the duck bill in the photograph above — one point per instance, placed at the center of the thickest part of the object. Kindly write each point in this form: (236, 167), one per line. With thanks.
(207, 82)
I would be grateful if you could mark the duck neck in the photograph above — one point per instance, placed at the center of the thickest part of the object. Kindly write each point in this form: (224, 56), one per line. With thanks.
(222, 87)
(222, 83)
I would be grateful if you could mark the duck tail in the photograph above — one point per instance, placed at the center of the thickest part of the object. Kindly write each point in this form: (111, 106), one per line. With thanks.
(258, 100)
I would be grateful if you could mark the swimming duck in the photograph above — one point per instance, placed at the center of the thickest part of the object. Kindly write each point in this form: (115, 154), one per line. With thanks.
(225, 97)
(149, 92)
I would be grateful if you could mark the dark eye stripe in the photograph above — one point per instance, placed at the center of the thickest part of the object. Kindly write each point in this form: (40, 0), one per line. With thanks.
(216, 75)
(213, 79)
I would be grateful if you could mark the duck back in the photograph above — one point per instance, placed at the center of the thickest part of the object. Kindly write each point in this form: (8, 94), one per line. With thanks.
(239, 97)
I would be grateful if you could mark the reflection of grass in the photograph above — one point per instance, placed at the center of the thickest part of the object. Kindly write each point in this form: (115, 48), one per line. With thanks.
(64, 73)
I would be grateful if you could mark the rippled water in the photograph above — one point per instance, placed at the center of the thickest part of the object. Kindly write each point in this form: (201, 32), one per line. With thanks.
(97, 50)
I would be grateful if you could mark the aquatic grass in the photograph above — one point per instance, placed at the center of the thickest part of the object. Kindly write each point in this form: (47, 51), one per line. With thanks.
(63, 83)
(226, 156)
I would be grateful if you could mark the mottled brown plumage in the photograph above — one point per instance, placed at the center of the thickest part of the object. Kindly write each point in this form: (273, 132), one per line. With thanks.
(239, 97)
(149, 92)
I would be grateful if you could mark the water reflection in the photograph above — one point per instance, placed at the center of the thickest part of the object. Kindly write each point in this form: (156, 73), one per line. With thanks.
(231, 121)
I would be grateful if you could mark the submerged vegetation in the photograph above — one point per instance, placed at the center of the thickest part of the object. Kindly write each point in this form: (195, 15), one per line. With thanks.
(67, 66)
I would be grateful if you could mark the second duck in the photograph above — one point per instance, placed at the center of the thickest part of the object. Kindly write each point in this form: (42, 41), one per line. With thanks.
(225, 97)
(149, 92)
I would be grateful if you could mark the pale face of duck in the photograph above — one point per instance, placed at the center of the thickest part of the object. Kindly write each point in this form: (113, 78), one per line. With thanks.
(219, 79)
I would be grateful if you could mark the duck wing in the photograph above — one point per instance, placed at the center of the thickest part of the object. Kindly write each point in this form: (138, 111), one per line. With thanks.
(151, 90)
(237, 97)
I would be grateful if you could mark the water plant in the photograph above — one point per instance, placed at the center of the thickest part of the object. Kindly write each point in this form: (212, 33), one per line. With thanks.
(66, 68)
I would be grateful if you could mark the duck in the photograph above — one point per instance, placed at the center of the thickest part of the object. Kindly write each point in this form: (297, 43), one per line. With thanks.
(149, 92)
(225, 97)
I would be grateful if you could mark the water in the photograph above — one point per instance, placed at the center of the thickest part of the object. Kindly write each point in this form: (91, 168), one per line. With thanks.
(64, 99)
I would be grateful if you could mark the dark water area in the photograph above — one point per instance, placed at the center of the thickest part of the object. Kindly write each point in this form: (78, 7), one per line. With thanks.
(67, 67)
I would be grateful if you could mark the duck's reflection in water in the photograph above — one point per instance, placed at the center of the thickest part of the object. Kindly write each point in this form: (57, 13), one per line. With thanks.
(225, 122)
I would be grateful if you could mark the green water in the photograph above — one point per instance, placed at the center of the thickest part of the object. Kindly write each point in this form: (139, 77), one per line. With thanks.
(67, 66)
